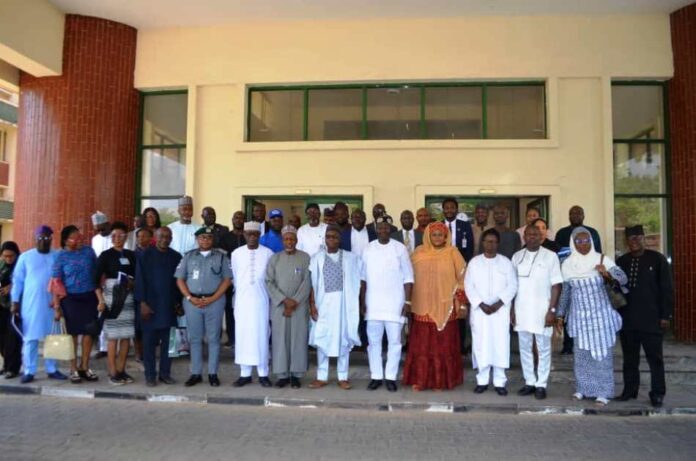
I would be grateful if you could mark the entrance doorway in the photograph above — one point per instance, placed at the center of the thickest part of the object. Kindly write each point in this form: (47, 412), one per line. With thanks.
(516, 205)
(296, 204)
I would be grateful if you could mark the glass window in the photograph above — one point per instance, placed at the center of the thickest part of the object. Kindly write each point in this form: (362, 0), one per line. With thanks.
(516, 112)
(163, 172)
(453, 113)
(650, 212)
(167, 208)
(393, 113)
(637, 111)
(164, 119)
(639, 169)
(276, 115)
(334, 114)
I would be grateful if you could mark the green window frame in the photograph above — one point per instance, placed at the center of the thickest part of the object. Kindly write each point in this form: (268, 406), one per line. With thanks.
(664, 143)
(423, 134)
(141, 148)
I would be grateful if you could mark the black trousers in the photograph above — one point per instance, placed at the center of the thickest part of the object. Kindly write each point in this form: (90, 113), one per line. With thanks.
(567, 340)
(631, 341)
(10, 343)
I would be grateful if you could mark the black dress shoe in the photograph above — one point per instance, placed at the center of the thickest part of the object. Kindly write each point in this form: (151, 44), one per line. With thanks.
(193, 380)
(626, 396)
(265, 382)
(656, 400)
(281, 383)
(480, 389)
(295, 383)
(150, 383)
(374, 384)
(540, 393)
(501, 391)
(526, 390)
(567, 352)
(391, 385)
(242, 381)
(214, 380)
(167, 380)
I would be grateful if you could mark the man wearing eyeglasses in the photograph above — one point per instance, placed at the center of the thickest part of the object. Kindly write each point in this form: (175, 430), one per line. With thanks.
(539, 282)
(203, 277)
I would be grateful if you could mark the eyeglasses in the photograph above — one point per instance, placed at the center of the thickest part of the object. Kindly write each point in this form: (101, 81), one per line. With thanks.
(581, 241)
(44, 238)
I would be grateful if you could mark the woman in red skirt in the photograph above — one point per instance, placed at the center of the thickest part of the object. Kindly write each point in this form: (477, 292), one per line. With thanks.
(434, 360)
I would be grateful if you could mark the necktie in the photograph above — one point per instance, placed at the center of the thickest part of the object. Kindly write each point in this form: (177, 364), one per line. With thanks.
(407, 240)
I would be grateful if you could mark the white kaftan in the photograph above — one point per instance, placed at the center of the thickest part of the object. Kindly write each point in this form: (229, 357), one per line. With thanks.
(311, 239)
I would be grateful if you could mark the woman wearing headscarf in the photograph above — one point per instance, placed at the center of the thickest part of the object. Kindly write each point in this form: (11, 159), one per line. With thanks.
(591, 319)
(438, 300)
(10, 342)
(74, 271)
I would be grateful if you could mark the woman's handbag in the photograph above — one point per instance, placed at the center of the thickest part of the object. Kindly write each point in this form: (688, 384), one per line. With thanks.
(59, 346)
(613, 289)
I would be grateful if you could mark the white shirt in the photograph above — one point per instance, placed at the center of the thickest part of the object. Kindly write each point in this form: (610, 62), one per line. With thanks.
(411, 237)
(183, 236)
(537, 272)
(311, 239)
(386, 269)
(101, 243)
(359, 239)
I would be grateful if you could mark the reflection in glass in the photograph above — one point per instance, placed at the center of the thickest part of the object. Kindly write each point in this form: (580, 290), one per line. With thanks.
(163, 172)
(637, 111)
(335, 114)
(164, 119)
(276, 115)
(453, 113)
(393, 113)
(516, 112)
(638, 169)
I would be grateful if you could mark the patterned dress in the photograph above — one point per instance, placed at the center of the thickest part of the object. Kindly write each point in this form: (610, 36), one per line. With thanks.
(593, 323)
(110, 263)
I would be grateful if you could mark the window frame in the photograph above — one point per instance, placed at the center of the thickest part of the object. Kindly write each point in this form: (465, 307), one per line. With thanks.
(666, 196)
(483, 85)
(141, 148)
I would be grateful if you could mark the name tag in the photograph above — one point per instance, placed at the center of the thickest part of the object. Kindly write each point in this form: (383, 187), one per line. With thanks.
(464, 242)
(195, 275)
(298, 270)
(124, 261)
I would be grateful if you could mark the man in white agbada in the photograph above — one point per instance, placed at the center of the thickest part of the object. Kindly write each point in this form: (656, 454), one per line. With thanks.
(539, 281)
(388, 278)
(251, 307)
(334, 307)
(490, 284)
(184, 230)
(310, 237)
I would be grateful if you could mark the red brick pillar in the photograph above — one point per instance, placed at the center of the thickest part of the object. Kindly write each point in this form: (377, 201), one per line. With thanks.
(77, 132)
(682, 113)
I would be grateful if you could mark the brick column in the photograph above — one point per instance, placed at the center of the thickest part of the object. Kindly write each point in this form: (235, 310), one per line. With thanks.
(77, 132)
(682, 113)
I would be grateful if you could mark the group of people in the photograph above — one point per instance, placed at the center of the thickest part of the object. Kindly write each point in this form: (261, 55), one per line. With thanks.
(340, 285)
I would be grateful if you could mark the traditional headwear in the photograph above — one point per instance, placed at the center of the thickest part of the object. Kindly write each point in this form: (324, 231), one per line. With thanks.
(252, 226)
(275, 213)
(202, 231)
(384, 218)
(433, 226)
(99, 218)
(288, 230)
(580, 266)
(634, 230)
(185, 200)
(43, 229)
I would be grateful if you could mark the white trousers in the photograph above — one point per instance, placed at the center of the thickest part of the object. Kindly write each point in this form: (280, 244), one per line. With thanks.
(375, 333)
(262, 370)
(541, 378)
(483, 376)
(323, 366)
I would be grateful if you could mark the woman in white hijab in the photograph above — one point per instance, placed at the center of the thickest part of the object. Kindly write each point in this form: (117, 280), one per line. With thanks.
(591, 319)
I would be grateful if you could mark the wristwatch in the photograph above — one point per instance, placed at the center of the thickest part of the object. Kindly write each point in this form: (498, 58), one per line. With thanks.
(553, 310)
(188, 298)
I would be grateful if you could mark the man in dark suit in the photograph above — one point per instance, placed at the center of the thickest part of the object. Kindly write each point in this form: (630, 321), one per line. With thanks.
(377, 211)
(258, 214)
(407, 235)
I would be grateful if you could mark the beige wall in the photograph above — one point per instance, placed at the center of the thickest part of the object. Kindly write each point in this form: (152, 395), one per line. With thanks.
(578, 56)
(31, 36)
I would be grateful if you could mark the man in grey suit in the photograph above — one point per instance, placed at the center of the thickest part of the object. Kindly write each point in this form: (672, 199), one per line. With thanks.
(406, 234)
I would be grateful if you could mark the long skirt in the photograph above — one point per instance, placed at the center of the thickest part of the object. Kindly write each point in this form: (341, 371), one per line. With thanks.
(79, 310)
(594, 378)
(123, 326)
(434, 360)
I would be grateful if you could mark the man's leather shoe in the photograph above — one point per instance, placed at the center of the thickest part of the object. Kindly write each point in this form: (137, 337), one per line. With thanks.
(526, 390)
(150, 383)
(193, 380)
(345, 385)
(317, 383)
(374, 384)
(567, 352)
(295, 382)
(282, 382)
(480, 389)
(391, 385)
(501, 391)
(242, 381)
(626, 396)
(656, 400)
(540, 393)
(265, 382)
(27, 379)
(167, 380)
(213, 380)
